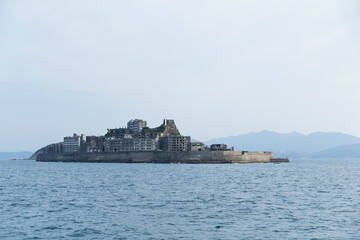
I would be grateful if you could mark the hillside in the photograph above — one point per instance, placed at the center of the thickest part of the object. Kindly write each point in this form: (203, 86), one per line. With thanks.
(345, 151)
(290, 144)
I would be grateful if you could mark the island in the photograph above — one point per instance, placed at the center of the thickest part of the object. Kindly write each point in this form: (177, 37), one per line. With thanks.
(137, 143)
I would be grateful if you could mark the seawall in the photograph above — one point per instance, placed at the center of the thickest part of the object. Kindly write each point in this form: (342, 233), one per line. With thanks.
(164, 157)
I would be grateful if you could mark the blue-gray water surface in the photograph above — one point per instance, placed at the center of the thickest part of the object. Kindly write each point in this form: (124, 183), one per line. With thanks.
(304, 199)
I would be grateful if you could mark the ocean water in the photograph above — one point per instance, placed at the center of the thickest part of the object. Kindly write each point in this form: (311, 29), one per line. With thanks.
(304, 199)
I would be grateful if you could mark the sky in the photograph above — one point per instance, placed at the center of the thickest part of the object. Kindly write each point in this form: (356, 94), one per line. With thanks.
(219, 68)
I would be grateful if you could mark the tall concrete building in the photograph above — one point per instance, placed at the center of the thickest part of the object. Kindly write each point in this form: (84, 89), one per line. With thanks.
(72, 144)
(130, 144)
(175, 143)
(135, 126)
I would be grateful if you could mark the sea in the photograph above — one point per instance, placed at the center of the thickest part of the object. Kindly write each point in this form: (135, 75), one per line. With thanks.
(303, 199)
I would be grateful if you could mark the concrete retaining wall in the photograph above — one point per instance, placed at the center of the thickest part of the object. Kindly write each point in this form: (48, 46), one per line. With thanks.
(162, 157)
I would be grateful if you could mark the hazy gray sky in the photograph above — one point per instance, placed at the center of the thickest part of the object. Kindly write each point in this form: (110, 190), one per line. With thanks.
(218, 68)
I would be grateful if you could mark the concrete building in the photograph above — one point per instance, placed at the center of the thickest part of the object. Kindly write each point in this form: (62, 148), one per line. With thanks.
(175, 143)
(135, 126)
(219, 147)
(130, 144)
(145, 144)
(197, 146)
(95, 144)
(117, 132)
(73, 144)
(117, 145)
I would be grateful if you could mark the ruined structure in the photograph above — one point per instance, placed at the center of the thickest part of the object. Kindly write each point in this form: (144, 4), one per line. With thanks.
(73, 144)
(139, 143)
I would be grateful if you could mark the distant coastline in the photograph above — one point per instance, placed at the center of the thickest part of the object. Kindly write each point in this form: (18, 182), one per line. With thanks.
(23, 155)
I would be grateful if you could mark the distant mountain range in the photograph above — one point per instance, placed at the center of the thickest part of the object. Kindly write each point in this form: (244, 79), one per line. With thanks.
(15, 155)
(319, 144)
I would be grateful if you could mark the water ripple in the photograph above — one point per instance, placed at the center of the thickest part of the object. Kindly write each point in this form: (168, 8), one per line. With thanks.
(309, 199)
